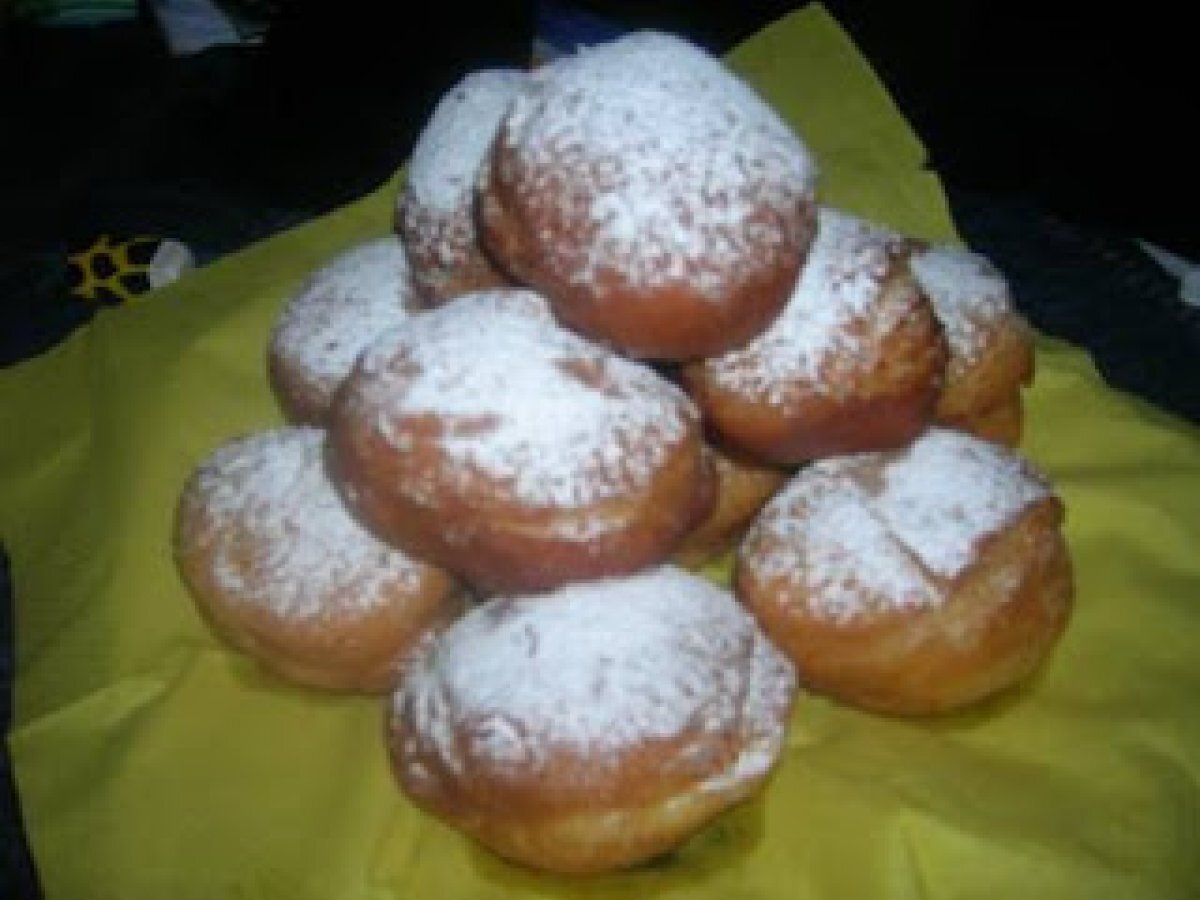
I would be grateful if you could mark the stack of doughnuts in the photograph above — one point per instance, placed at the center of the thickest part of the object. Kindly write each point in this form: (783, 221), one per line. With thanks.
(616, 336)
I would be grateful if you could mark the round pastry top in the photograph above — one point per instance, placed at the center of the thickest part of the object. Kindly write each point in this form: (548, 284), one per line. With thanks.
(968, 294)
(343, 306)
(596, 668)
(561, 421)
(868, 532)
(662, 165)
(278, 533)
(834, 312)
(447, 154)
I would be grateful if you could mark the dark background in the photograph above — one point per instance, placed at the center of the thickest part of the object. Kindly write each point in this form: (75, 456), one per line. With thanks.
(1061, 132)
(1046, 109)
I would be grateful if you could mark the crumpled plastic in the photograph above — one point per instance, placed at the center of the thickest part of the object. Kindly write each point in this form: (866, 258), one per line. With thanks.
(153, 762)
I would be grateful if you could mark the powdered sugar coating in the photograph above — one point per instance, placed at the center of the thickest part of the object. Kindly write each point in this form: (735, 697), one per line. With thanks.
(871, 532)
(556, 420)
(664, 166)
(435, 205)
(840, 285)
(597, 668)
(968, 293)
(447, 154)
(284, 540)
(342, 307)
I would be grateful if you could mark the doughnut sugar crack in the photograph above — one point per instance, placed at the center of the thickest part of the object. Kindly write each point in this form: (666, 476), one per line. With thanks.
(899, 535)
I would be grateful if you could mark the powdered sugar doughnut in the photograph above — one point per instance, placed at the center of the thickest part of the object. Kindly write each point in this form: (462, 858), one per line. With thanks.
(913, 581)
(340, 308)
(853, 363)
(486, 438)
(659, 204)
(596, 726)
(281, 570)
(435, 210)
(991, 347)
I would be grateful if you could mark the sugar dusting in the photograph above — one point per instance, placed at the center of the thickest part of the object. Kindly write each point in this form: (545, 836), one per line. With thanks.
(447, 154)
(856, 542)
(948, 492)
(561, 421)
(285, 541)
(436, 202)
(968, 294)
(839, 286)
(664, 166)
(341, 307)
(599, 667)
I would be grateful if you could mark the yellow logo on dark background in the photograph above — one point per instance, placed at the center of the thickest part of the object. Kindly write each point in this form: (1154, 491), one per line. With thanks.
(113, 272)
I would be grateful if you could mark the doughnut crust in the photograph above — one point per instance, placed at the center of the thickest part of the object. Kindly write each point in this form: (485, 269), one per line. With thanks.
(1003, 423)
(853, 363)
(659, 204)
(282, 572)
(435, 209)
(743, 488)
(596, 726)
(915, 581)
(991, 346)
(323, 327)
(488, 439)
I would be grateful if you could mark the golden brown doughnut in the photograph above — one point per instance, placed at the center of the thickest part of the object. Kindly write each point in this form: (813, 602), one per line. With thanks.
(483, 436)
(435, 209)
(651, 195)
(596, 726)
(338, 310)
(991, 346)
(282, 572)
(913, 581)
(743, 488)
(853, 363)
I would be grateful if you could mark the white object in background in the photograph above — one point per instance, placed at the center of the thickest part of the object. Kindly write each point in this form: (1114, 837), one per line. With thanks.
(171, 260)
(190, 26)
(1186, 271)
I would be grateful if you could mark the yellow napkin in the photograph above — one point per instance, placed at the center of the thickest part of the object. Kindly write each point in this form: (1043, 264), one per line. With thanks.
(153, 763)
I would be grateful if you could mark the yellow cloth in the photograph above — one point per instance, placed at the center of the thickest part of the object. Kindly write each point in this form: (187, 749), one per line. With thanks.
(153, 763)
